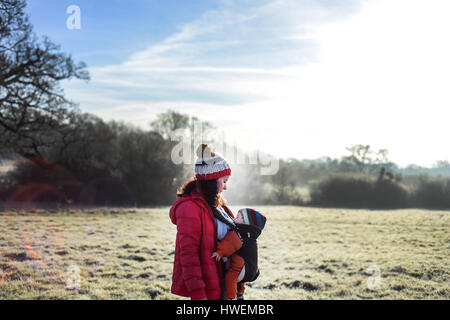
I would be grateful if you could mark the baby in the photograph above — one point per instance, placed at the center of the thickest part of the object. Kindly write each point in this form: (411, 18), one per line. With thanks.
(240, 244)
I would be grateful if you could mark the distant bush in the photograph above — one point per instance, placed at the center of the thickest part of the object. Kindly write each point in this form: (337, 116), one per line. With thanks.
(284, 195)
(433, 193)
(390, 194)
(359, 191)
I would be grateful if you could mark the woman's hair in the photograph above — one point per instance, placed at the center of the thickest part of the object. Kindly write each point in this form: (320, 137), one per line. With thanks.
(208, 189)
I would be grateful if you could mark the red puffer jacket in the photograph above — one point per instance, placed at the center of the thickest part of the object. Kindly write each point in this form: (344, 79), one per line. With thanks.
(195, 273)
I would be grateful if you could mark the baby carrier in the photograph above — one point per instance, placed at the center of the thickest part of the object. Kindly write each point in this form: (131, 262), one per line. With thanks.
(249, 250)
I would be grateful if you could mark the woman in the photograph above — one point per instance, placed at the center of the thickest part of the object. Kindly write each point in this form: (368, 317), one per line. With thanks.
(195, 273)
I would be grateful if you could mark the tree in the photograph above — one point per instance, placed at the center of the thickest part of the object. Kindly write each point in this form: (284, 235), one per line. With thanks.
(441, 167)
(33, 108)
(360, 155)
(88, 146)
(170, 121)
(284, 183)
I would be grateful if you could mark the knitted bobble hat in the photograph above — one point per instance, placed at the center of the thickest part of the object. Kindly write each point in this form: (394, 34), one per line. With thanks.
(253, 217)
(210, 165)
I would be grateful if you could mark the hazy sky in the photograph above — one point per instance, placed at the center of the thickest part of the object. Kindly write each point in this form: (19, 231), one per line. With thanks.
(296, 78)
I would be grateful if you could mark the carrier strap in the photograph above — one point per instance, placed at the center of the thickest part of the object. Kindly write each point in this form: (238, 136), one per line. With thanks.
(221, 218)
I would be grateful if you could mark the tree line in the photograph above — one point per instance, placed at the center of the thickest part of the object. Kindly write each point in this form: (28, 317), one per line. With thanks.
(362, 179)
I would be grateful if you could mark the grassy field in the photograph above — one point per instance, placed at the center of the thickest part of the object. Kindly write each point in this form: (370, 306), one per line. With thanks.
(305, 253)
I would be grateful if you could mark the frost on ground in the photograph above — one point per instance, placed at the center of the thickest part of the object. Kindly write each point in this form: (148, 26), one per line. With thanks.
(304, 253)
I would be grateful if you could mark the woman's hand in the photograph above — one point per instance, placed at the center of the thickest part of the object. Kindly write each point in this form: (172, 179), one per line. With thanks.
(216, 256)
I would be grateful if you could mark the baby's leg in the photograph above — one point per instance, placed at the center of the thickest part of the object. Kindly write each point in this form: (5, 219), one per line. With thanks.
(237, 262)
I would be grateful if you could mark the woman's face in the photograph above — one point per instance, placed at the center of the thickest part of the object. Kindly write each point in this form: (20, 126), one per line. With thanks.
(222, 183)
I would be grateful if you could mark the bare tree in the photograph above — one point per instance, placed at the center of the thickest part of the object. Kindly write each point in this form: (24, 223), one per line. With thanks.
(360, 155)
(170, 121)
(32, 104)
(196, 130)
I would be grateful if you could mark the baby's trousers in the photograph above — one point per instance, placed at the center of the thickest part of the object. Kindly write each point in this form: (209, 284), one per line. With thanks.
(231, 276)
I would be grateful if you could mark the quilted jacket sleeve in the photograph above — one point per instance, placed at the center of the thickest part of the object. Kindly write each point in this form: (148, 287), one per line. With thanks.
(229, 245)
(189, 227)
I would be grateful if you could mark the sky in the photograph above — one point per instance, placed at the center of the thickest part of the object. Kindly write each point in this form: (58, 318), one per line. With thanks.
(294, 78)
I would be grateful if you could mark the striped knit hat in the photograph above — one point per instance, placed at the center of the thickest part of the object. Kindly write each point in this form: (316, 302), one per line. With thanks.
(253, 217)
(210, 165)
